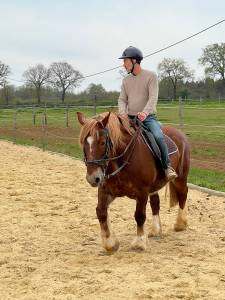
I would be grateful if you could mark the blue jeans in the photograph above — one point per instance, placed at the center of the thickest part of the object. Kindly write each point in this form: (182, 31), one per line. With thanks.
(152, 124)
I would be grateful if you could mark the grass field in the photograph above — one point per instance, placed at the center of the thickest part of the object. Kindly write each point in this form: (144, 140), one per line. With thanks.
(204, 124)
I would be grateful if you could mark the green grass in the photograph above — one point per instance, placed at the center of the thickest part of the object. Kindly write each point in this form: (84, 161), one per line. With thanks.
(194, 114)
(211, 179)
(207, 152)
(73, 150)
(56, 117)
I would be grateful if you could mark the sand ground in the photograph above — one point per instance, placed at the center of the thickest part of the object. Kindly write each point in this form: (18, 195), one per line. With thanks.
(50, 245)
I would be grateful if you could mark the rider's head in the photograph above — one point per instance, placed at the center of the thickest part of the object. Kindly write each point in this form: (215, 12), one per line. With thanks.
(131, 56)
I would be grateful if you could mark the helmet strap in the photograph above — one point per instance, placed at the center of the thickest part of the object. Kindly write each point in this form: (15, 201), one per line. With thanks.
(132, 70)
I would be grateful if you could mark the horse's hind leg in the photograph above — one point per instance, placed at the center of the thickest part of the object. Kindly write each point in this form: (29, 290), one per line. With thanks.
(179, 191)
(140, 241)
(156, 223)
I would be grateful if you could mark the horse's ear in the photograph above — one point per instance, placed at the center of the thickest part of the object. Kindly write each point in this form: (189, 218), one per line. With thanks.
(105, 120)
(81, 118)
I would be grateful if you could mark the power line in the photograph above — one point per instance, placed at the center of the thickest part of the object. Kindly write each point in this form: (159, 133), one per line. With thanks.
(187, 38)
(162, 49)
(148, 55)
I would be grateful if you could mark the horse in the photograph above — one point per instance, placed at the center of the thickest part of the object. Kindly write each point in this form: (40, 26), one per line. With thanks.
(120, 164)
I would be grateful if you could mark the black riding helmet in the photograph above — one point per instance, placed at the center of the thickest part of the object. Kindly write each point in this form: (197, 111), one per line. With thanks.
(132, 52)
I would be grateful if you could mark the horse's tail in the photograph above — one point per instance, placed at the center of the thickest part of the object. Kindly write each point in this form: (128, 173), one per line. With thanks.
(172, 194)
(182, 173)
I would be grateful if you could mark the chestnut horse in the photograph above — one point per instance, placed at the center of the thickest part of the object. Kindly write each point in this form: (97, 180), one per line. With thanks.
(121, 164)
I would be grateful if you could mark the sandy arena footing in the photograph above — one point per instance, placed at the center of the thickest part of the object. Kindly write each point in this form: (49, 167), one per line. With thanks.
(50, 245)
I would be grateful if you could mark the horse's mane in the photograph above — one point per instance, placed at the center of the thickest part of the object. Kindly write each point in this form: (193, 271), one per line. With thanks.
(116, 131)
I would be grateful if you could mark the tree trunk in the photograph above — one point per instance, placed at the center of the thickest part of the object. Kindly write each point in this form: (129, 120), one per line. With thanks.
(63, 95)
(38, 92)
(6, 93)
(174, 83)
(175, 92)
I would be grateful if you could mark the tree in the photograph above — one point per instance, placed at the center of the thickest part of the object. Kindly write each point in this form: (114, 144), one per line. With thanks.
(175, 70)
(8, 93)
(213, 58)
(63, 76)
(37, 76)
(95, 90)
(4, 72)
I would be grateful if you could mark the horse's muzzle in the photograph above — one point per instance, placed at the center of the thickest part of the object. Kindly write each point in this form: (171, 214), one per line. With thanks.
(95, 178)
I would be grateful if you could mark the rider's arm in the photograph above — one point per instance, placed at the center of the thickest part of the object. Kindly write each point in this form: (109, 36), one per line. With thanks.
(153, 90)
(123, 100)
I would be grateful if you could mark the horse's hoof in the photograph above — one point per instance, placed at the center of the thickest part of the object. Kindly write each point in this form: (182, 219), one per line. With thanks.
(111, 244)
(180, 227)
(139, 243)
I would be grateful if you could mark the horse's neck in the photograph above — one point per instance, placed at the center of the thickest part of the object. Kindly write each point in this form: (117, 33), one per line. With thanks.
(127, 139)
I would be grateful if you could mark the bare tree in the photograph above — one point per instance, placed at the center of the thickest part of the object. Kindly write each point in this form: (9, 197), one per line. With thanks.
(175, 70)
(64, 77)
(37, 76)
(213, 58)
(4, 72)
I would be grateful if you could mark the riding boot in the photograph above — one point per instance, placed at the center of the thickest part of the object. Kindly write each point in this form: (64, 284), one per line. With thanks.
(170, 173)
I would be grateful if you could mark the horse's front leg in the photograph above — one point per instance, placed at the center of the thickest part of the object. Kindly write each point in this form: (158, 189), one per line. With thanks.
(156, 223)
(140, 241)
(109, 241)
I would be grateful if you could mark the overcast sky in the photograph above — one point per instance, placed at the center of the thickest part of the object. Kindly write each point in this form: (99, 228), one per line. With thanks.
(91, 35)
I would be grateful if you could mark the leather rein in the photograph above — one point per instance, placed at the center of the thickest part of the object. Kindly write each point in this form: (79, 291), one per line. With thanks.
(104, 161)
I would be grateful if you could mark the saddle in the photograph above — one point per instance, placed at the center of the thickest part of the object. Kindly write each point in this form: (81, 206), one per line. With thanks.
(150, 141)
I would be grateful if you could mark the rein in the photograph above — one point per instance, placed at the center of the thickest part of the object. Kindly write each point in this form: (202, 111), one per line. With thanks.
(106, 159)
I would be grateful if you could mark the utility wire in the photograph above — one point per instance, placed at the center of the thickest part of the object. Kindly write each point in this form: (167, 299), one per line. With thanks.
(187, 38)
(151, 54)
(162, 49)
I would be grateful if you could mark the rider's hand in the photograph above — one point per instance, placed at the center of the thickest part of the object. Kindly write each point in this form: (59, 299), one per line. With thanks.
(141, 116)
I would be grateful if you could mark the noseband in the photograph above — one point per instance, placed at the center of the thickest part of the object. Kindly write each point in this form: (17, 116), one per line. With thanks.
(104, 161)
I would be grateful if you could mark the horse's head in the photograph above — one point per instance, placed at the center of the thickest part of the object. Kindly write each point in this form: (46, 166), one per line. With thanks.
(97, 145)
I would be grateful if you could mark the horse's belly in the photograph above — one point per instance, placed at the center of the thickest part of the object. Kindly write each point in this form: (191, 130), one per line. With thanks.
(129, 190)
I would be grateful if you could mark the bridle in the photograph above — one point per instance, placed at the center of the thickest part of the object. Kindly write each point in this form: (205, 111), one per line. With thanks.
(108, 147)
(104, 161)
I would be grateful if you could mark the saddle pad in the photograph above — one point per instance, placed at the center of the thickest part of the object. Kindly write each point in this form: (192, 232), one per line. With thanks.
(172, 147)
(152, 145)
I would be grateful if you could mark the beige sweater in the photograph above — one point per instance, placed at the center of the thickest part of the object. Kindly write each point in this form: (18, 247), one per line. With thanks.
(139, 93)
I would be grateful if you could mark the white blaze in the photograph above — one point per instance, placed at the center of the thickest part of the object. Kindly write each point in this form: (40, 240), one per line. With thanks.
(90, 141)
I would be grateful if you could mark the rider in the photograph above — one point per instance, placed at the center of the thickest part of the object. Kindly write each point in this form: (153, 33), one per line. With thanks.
(139, 96)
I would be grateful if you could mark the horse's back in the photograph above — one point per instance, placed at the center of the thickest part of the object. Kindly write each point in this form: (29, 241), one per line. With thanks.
(176, 135)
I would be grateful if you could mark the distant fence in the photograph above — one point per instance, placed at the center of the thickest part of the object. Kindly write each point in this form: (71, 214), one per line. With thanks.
(57, 129)
(96, 102)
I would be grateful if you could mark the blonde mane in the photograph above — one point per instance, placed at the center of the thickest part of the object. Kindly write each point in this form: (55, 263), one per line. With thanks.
(90, 128)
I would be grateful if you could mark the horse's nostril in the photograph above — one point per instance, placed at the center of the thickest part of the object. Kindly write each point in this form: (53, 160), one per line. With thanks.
(97, 179)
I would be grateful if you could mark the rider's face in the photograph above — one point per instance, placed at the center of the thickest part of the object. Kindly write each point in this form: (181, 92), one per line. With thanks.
(127, 63)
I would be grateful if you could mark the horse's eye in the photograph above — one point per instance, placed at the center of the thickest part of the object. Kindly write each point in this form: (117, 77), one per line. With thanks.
(102, 143)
